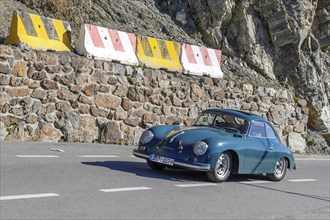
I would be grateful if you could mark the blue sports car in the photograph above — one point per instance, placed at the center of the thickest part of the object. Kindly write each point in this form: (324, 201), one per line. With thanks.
(219, 142)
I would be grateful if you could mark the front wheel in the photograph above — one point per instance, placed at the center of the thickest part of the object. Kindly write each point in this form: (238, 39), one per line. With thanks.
(155, 166)
(280, 170)
(222, 168)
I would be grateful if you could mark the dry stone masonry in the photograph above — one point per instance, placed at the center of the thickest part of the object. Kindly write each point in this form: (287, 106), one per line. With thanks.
(49, 96)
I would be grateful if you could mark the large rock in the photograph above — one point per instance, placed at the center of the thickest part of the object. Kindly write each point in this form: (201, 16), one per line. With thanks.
(18, 133)
(65, 94)
(87, 130)
(131, 135)
(18, 92)
(151, 118)
(296, 142)
(196, 92)
(47, 58)
(47, 132)
(5, 68)
(48, 84)
(326, 137)
(68, 123)
(107, 101)
(110, 133)
(91, 89)
(20, 69)
(3, 131)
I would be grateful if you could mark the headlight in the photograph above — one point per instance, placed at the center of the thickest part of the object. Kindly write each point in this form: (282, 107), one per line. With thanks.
(200, 147)
(146, 137)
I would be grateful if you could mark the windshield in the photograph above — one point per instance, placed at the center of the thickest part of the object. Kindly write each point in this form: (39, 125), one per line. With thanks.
(225, 122)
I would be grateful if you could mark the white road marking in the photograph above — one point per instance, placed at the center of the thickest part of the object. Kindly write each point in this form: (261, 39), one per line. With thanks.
(196, 184)
(124, 189)
(302, 180)
(57, 149)
(97, 156)
(33, 156)
(28, 196)
(255, 182)
(132, 156)
(312, 159)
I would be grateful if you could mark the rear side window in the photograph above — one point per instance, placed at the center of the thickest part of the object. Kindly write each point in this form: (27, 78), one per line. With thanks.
(258, 129)
(270, 132)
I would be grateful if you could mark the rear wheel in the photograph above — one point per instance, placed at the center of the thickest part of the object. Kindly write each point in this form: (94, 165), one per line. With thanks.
(155, 166)
(280, 170)
(222, 168)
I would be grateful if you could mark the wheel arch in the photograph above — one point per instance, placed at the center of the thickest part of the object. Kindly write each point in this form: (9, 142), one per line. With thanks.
(235, 161)
(287, 161)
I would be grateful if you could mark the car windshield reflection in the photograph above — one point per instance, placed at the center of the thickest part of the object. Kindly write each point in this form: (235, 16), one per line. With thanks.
(224, 122)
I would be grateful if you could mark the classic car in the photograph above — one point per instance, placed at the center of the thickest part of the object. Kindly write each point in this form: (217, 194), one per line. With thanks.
(220, 142)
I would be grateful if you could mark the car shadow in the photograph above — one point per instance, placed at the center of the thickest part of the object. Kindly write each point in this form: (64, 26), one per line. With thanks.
(142, 169)
(182, 175)
(171, 174)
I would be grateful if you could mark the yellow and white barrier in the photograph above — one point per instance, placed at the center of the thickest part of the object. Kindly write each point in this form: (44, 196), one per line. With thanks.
(39, 32)
(159, 54)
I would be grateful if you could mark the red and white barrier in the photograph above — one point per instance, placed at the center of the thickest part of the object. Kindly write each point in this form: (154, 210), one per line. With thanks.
(107, 44)
(201, 61)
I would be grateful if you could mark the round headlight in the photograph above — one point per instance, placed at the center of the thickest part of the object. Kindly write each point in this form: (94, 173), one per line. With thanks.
(200, 147)
(146, 137)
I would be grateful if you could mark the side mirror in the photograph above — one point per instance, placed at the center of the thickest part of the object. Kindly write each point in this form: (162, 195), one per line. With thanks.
(176, 123)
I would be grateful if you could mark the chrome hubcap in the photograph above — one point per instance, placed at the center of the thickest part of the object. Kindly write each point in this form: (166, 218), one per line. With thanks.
(222, 166)
(280, 167)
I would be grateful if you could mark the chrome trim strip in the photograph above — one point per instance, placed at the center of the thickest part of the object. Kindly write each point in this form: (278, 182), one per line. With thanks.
(140, 155)
(172, 139)
(202, 168)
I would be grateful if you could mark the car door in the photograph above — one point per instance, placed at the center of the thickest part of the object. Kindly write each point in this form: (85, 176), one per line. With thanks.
(274, 144)
(259, 151)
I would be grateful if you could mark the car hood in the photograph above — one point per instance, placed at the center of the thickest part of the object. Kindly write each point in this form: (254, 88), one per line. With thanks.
(189, 135)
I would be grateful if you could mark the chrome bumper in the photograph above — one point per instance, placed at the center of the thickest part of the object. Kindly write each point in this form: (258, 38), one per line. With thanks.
(199, 167)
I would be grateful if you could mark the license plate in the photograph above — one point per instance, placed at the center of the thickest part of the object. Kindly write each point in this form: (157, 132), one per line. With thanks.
(162, 160)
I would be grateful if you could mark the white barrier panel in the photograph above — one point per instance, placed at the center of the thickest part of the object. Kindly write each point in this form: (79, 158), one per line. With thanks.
(107, 44)
(201, 61)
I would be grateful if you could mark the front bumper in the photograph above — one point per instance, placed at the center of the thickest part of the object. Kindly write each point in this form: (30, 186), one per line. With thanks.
(177, 163)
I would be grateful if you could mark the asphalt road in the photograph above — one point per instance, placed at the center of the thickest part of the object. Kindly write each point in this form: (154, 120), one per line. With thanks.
(96, 181)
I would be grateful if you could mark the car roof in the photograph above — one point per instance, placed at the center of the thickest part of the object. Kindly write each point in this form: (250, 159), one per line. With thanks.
(246, 115)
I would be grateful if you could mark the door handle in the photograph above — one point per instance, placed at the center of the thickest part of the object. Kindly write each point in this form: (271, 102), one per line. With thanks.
(271, 148)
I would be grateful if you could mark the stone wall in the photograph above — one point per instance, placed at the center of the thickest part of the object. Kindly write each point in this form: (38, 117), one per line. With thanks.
(49, 96)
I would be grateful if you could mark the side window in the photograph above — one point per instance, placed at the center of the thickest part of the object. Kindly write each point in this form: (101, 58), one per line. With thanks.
(258, 129)
(205, 119)
(270, 132)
